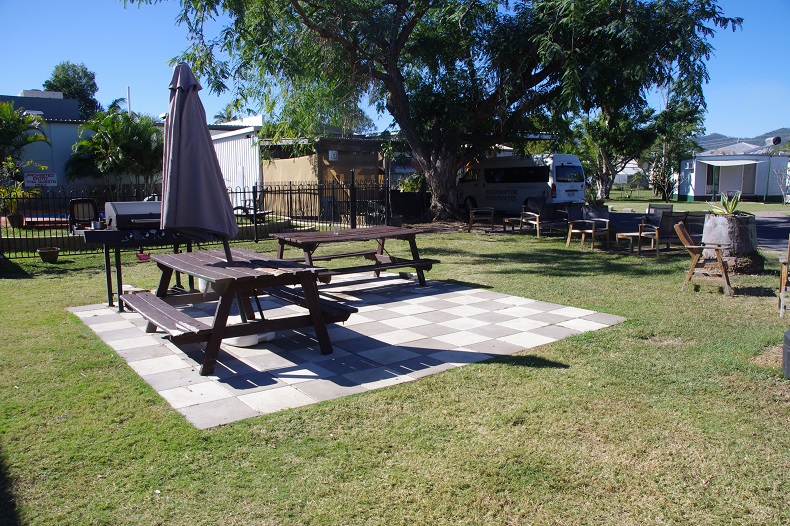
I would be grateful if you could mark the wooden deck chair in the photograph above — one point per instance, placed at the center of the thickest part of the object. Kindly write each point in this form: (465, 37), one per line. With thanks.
(702, 268)
(784, 280)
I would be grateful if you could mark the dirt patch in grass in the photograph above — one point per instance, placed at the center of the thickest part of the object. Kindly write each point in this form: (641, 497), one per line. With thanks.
(771, 357)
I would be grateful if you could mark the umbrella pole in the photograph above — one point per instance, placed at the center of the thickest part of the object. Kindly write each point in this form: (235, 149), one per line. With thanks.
(226, 246)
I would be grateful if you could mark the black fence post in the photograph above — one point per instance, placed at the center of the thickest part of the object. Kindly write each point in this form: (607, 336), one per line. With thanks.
(255, 213)
(352, 195)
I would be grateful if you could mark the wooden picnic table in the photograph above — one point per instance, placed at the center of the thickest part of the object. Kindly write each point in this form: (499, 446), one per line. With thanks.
(249, 276)
(309, 242)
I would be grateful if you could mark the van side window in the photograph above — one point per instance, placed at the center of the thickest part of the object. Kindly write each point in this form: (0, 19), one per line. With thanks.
(470, 175)
(517, 174)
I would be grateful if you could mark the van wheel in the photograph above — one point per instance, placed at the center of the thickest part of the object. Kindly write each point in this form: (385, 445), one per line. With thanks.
(469, 204)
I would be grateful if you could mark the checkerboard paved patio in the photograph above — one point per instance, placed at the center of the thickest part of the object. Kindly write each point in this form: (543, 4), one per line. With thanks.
(401, 333)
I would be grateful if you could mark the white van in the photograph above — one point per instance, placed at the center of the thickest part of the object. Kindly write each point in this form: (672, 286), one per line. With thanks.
(506, 183)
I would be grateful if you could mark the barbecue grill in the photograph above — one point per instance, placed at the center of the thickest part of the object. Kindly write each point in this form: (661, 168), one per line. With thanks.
(132, 224)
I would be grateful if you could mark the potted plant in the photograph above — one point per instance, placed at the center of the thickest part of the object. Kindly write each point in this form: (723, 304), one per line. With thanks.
(10, 197)
(728, 226)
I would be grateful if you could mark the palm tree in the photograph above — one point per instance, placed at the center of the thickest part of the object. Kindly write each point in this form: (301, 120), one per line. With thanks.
(17, 130)
(114, 146)
(229, 113)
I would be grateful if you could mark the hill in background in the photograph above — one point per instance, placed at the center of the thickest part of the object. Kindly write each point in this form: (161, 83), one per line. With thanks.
(717, 140)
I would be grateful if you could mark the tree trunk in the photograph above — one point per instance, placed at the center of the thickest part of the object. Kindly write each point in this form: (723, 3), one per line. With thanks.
(442, 184)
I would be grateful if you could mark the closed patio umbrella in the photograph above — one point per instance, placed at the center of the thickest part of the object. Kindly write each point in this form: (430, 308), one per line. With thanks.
(195, 201)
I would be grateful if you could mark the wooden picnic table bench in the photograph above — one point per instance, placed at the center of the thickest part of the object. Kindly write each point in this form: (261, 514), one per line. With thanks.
(246, 277)
(309, 242)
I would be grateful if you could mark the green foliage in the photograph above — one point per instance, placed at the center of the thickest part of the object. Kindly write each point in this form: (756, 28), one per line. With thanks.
(17, 131)
(413, 183)
(117, 145)
(76, 81)
(457, 77)
(10, 195)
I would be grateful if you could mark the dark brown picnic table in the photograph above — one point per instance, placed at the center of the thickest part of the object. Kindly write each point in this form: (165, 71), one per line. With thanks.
(309, 242)
(249, 276)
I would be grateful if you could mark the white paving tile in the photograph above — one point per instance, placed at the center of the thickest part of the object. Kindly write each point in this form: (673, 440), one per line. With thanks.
(399, 336)
(527, 340)
(582, 325)
(572, 312)
(405, 322)
(159, 365)
(518, 312)
(411, 309)
(277, 399)
(465, 311)
(194, 394)
(463, 323)
(132, 343)
(462, 338)
(113, 326)
(522, 324)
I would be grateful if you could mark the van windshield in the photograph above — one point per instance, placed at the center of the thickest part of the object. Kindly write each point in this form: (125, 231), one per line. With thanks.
(569, 174)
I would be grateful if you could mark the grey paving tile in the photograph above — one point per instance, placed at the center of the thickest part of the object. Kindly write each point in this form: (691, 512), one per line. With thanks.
(389, 354)
(252, 382)
(493, 330)
(212, 414)
(273, 360)
(329, 388)
(548, 317)
(347, 364)
(173, 379)
(436, 316)
(360, 344)
(433, 330)
(144, 353)
(555, 331)
(107, 318)
(371, 329)
(607, 319)
(544, 306)
(122, 334)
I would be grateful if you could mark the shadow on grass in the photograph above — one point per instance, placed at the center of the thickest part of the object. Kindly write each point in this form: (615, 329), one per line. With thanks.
(535, 362)
(570, 262)
(10, 270)
(762, 292)
(9, 515)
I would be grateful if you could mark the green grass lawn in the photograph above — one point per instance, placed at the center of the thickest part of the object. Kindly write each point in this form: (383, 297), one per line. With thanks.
(679, 415)
(639, 204)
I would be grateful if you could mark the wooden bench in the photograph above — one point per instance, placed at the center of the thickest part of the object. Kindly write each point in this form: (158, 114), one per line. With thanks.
(333, 311)
(417, 264)
(165, 316)
(368, 254)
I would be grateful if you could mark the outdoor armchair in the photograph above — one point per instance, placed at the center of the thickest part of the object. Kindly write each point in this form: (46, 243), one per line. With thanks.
(590, 221)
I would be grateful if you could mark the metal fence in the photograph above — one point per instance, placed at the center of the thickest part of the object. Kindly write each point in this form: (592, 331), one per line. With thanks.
(42, 220)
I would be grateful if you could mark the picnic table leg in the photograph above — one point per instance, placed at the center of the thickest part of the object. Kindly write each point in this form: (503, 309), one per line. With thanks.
(280, 249)
(108, 273)
(218, 331)
(310, 290)
(118, 277)
(415, 254)
(379, 253)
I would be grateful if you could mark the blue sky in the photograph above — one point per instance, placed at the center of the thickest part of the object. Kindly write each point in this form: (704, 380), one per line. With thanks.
(748, 94)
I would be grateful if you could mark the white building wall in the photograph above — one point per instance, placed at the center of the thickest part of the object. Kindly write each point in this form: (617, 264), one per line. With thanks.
(239, 158)
(693, 176)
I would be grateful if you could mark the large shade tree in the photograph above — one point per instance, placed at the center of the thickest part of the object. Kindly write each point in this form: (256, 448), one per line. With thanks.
(457, 76)
(76, 81)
